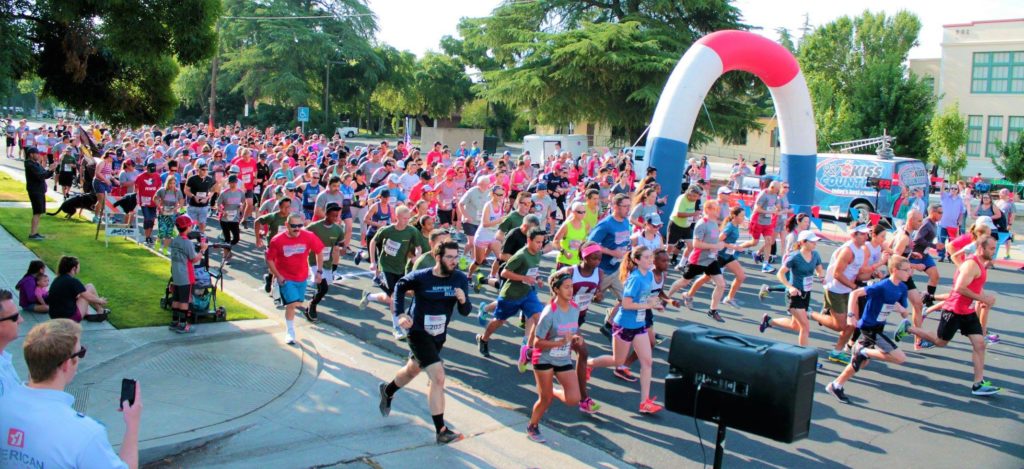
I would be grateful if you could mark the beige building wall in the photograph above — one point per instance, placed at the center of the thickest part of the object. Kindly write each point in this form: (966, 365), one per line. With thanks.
(450, 136)
(929, 70)
(598, 134)
(759, 144)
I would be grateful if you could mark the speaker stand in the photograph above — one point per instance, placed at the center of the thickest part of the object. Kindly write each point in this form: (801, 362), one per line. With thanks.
(720, 445)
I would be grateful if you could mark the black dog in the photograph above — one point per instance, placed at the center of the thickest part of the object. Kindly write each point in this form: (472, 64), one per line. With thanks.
(127, 203)
(75, 203)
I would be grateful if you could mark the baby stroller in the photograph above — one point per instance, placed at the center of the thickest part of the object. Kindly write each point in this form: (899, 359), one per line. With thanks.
(204, 290)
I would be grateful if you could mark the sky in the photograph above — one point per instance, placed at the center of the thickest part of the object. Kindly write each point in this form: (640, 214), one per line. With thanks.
(418, 26)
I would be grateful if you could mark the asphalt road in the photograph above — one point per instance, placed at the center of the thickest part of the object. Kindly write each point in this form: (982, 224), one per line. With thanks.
(919, 413)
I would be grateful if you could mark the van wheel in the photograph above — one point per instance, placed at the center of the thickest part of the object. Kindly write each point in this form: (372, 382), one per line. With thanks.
(350, 134)
(864, 210)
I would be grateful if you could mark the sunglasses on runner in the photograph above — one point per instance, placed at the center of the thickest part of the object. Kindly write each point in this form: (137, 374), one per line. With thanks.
(13, 318)
(80, 354)
(295, 225)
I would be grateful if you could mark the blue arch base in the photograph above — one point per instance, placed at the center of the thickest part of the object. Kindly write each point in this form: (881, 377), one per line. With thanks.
(800, 171)
(669, 157)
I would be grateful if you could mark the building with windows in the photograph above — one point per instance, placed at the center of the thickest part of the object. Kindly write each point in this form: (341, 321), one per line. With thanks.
(981, 69)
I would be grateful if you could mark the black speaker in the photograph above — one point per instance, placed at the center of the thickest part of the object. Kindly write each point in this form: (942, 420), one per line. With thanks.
(746, 383)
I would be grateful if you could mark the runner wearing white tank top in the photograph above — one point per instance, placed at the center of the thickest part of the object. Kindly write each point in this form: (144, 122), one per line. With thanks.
(840, 280)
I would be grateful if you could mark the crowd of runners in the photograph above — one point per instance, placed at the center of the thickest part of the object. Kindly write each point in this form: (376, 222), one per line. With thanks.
(438, 225)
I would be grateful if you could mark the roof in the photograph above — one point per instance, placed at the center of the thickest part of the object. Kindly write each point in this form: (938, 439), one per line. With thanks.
(974, 23)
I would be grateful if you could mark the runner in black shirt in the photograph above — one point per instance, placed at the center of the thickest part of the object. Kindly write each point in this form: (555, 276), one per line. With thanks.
(436, 293)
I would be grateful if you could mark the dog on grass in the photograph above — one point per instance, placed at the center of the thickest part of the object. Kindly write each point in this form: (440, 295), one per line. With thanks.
(75, 203)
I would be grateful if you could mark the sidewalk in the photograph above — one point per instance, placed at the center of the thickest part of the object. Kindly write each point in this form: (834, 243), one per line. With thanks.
(232, 395)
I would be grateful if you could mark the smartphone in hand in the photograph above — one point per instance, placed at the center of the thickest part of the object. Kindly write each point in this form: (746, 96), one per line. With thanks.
(127, 392)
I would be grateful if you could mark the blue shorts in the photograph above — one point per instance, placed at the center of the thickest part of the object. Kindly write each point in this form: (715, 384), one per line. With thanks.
(100, 187)
(926, 260)
(293, 292)
(528, 304)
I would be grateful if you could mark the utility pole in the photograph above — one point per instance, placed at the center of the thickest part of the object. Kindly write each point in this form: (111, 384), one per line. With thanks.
(213, 78)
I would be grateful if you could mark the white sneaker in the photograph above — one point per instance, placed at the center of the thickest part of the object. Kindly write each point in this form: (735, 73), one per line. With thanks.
(400, 334)
(289, 338)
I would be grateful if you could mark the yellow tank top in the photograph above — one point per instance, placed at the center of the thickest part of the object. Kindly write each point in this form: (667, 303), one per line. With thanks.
(570, 244)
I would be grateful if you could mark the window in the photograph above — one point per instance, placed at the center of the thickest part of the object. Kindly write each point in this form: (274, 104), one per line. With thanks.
(998, 72)
(930, 81)
(974, 135)
(1016, 129)
(995, 134)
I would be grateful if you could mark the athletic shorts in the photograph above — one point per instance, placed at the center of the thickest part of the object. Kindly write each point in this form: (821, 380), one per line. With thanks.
(424, 348)
(556, 368)
(181, 293)
(346, 213)
(757, 230)
(724, 260)
(293, 292)
(66, 179)
(678, 235)
(148, 217)
(444, 217)
(696, 270)
(529, 305)
(910, 283)
(249, 194)
(469, 229)
(627, 334)
(803, 301)
(100, 187)
(198, 214)
(926, 261)
(837, 302)
(10, 141)
(873, 337)
(165, 226)
(950, 323)
(38, 201)
(389, 282)
(610, 281)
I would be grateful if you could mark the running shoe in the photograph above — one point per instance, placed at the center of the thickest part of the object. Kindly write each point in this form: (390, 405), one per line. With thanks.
(688, 301)
(757, 257)
(524, 357)
(681, 266)
(767, 268)
(928, 300)
(838, 357)
(364, 300)
(992, 339)
(357, 258)
(763, 293)
(482, 316)
(463, 263)
(606, 330)
(183, 328)
(733, 302)
(477, 280)
(713, 314)
(984, 388)
(659, 339)
(837, 392)
(266, 282)
(400, 334)
(385, 401)
(924, 345)
(857, 358)
(588, 406)
(624, 374)
(446, 436)
(482, 346)
(766, 322)
(173, 325)
(901, 330)
(772, 259)
(310, 314)
(649, 407)
(36, 236)
(533, 433)
(289, 339)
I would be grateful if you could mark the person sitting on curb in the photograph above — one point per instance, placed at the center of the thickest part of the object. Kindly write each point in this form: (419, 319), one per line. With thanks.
(10, 319)
(53, 352)
(70, 299)
(27, 288)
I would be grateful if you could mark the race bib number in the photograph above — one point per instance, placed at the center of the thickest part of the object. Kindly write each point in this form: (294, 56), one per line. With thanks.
(146, 201)
(434, 324)
(533, 272)
(886, 310)
(574, 245)
(293, 250)
(246, 178)
(808, 283)
(67, 168)
(583, 299)
(730, 252)
(622, 238)
(202, 195)
(327, 253)
(559, 352)
(391, 247)
(230, 215)
(641, 315)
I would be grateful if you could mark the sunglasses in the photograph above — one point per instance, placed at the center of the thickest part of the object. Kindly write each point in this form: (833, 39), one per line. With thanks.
(295, 225)
(580, 212)
(80, 354)
(13, 318)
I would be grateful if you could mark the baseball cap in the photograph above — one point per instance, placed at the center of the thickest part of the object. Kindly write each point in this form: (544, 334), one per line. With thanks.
(428, 188)
(150, 165)
(289, 186)
(234, 169)
(394, 178)
(724, 190)
(183, 222)
(862, 228)
(653, 219)
(278, 175)
(542, 187)
(986, 221)
(233, 178)
(807, 235)
(332, 207)
(200, 162)
(451, 173)
(557, 167)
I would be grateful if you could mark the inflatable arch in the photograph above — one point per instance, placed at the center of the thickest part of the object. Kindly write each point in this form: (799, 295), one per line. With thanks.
(680, 103)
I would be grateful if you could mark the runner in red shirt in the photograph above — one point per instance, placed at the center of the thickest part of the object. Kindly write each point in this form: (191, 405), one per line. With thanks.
(247, 174)
(146, 186)
(288, 261)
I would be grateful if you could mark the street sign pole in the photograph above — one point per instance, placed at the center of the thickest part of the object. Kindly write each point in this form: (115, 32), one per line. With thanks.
(303, 118)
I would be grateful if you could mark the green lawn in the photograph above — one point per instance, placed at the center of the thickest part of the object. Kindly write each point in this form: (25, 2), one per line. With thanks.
(13, 190)
(130, 276)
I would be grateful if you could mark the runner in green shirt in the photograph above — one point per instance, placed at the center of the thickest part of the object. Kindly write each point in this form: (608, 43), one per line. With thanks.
(330, 232)
(273, 221)
(426, 260)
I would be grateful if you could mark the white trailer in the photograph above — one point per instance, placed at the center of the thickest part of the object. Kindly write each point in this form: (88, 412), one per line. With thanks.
(543, 146)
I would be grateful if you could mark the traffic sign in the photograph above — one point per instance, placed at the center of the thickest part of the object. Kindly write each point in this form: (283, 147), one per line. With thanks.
(303, 114)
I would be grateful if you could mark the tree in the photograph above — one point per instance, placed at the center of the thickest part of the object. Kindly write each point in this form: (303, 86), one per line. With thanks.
(601, 60)
(116, 59)
(435, 85)
(1010, 162)
(947, 136)
(32, 85)
(855, 66)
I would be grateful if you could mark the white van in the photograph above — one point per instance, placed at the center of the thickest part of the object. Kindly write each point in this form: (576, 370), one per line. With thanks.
(542, 146)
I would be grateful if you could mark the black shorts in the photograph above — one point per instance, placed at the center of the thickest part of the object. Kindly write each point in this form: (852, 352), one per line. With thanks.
(66, 179)
(548, 366)
(950, 323)
(694, 270)
(249, 194)
(910, 283)
(424, 348)
(444, 217)
(678, 235)
(389, 282)
(800, 302)
(873, 337)
(470, 229)
(181, 293)
(10, 141)
(38, 202)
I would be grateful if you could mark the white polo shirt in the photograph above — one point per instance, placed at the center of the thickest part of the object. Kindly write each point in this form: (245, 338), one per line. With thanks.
(8, 376)
(40, 429)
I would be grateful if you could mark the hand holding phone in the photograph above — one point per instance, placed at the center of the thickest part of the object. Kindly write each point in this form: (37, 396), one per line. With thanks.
(127, 393)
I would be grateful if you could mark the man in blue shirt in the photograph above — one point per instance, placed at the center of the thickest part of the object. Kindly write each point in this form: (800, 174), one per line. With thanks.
(10, 319)
(612, 233)
(883, 297)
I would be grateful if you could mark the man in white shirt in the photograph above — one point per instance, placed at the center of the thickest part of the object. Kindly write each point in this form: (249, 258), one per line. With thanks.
(38, 421)
(10, 319)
